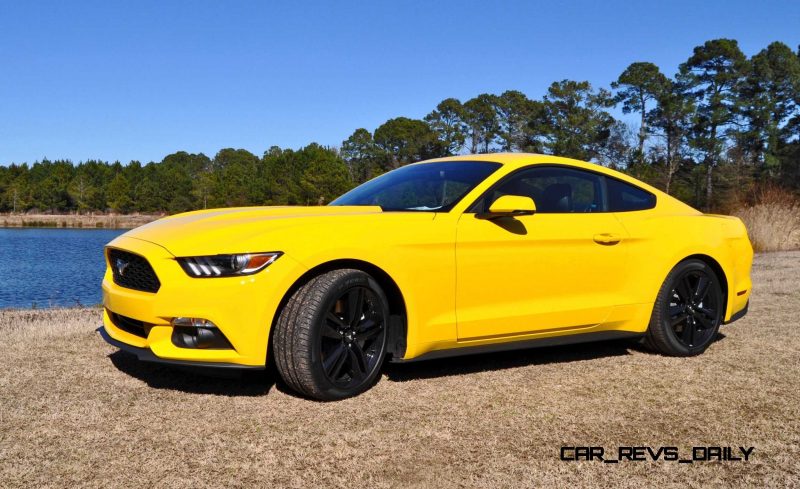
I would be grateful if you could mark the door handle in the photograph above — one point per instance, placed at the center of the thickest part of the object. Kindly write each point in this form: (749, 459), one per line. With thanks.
(607, 239)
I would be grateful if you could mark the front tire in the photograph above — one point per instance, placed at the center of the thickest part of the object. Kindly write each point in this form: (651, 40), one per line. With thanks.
(330, 337)
(687, 312)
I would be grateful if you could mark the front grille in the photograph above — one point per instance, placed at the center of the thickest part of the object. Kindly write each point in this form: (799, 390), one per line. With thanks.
(129, 325)
(132, 271)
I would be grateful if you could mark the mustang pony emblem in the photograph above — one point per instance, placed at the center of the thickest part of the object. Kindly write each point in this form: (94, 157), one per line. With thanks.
(122, 265)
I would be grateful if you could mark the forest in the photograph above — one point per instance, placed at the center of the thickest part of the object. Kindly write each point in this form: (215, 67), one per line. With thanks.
(715, 134)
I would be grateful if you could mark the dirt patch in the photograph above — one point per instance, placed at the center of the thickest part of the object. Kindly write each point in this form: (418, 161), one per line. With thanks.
(75, 411)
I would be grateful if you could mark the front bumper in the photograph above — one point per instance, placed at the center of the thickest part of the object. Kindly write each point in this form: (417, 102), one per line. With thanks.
(146, 355)
(241, 307)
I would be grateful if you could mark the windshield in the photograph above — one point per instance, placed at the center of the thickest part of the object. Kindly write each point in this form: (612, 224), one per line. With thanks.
(424, 187)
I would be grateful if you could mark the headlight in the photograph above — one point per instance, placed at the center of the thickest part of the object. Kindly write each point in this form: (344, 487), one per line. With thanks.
(227, 265)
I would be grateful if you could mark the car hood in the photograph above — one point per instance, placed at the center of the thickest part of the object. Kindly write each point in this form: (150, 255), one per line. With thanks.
(239, 229)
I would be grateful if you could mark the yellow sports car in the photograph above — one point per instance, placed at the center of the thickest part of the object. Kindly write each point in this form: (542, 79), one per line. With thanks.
(444, 257)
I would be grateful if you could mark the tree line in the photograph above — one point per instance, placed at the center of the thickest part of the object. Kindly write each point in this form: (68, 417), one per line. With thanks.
(721, 127)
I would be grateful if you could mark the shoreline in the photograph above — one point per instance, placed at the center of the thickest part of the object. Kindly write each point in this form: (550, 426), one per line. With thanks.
(77, 221)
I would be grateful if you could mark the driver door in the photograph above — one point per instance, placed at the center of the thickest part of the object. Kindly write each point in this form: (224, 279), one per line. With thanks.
(562, 268)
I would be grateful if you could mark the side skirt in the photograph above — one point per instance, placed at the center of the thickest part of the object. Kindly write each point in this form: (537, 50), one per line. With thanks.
(738, 315)
(569, 339)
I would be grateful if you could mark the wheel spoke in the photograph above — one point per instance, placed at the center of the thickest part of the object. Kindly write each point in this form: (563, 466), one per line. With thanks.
(366, 325)
(333, 364)
(370, 333)
(337, 369)
(678, 319)
(708, 312)
(702, 288)
(329, 331)
(357, 361)
(355, 305)
(684, 289)
(336, 320)
(703, 321)
(362, 357)
(688, 332)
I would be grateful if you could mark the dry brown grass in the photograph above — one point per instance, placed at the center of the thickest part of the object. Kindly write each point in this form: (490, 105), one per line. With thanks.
(106, 221)
(773, 223)
(73, 411)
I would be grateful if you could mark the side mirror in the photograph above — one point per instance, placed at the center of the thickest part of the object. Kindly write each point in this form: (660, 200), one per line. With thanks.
(509, 206)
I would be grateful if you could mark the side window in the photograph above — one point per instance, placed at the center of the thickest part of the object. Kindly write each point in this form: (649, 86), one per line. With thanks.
(626, 197)
(553, 190)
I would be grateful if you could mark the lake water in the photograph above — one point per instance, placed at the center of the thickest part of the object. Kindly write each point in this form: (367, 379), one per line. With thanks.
(52, 267)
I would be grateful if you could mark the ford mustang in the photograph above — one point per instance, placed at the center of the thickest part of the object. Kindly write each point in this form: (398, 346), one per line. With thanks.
(443, 257)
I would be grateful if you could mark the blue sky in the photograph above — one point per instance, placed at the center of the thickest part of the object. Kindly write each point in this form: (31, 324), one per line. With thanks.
(122, 80)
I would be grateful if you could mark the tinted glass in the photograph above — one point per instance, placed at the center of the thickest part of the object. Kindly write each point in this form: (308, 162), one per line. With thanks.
(625, 197)
(425, 187)
(553, 190)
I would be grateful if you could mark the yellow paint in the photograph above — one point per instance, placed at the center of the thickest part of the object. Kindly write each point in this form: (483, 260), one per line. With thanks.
(464, 281)
(512, 203)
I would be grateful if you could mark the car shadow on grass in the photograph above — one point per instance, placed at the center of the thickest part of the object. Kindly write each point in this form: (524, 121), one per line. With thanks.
(259, 383)
(195, 380)
(470, 364)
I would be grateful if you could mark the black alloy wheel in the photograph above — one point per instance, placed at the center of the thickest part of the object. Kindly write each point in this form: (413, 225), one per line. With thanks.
(352, 337)
(693, 311)
(688, 310)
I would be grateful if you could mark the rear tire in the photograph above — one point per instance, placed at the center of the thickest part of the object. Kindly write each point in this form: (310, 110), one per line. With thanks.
(330, 337)
(687, 312)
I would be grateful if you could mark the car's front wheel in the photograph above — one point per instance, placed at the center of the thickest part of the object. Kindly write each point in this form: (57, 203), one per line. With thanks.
(330, 337)
(687, 312)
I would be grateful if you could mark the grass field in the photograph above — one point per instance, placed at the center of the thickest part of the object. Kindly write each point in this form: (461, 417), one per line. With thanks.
(73, 411)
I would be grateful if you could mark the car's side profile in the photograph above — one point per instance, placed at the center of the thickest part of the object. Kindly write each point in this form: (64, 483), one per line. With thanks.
(448, 256)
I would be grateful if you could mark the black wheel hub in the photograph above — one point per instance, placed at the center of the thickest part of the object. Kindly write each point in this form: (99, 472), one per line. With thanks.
(352, 337)
(693, 308)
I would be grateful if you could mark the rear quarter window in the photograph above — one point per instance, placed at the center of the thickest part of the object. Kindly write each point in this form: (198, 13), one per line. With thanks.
(623, 197)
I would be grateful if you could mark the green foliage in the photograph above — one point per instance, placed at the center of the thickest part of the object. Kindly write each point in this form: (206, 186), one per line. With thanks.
(362, 155)
(447, 120)
(312, 175)
(181, 181)
(119, 194)
(405, 140)
(768, 99)
(514, 111)
(234, 184)
(573, 121)
(480, 116)
(712, 76)
(323, 177)
(639, 84)
(670, 120)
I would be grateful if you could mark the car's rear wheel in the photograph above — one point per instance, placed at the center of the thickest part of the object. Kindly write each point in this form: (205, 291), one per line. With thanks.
(688, 311)
(330, 337)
